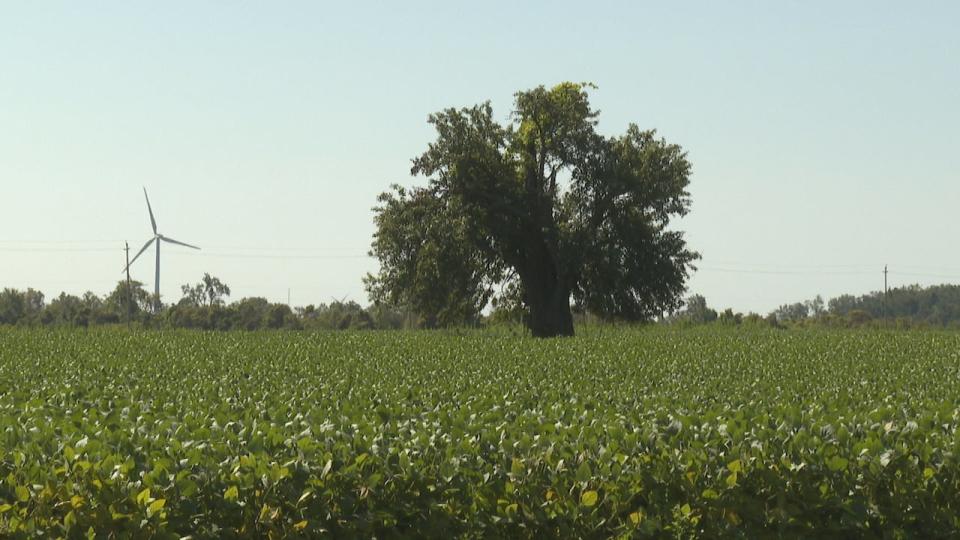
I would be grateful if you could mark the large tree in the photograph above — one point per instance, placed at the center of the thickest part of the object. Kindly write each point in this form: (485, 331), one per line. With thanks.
(543, 207)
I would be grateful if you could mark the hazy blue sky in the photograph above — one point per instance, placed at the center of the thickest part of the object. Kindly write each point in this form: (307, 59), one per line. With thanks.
(823, 135)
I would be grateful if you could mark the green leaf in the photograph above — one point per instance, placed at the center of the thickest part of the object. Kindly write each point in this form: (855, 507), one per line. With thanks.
(837, 463)
(732, 480)
(155, 507)
(231, 494)
(143, 497)
(583, 472)
(70, 520)
(517, 468)
(735, 466)
(589, 498)
(187, 487)
(23, 494)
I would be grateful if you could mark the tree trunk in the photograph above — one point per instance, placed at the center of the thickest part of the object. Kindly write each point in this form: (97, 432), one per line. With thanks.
(544, 285)
(550, 315)
(546, 296)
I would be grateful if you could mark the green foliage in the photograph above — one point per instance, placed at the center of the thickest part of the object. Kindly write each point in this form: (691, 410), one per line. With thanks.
(902, 307)
(209, 292)
(696, 311)
(792, 312)
(938, 305)
(546, 207)
(21, 307)
(427, 259)
(338, 316)
(280, 316)
(125, 301)
(202, 308)
(706, 432)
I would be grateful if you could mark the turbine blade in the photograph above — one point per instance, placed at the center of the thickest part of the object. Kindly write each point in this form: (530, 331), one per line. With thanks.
(144, 248)
(172, 241)
(153, 222)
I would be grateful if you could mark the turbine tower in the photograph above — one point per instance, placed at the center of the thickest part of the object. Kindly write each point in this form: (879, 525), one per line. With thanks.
(157, 237)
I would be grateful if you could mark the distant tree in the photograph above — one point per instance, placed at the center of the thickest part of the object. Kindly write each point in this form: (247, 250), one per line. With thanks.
(251, 312)
(792, 312)
(209, 292)
(192, 295)
(126, 299)
(12, 308)
(344, 316)
(390, 317)
(841, 305)
(771, 320)
(816, 306)
(305, 312)
(729, 317)
(910, 305)
(94, 310)
(280, 316)
(61, 310)
(24, 308)
(33, 305)
(697, 311)
(185, 314)
(546, 203)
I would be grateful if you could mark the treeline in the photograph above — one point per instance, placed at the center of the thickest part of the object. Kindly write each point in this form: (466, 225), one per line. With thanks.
(909, 306)
(203, 306)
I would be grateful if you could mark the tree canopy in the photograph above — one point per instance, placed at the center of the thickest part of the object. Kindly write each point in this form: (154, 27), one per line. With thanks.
(538, 211)
(209, 292)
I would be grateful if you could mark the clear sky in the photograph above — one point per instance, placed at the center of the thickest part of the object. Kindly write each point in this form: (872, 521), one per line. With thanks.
(823, 135)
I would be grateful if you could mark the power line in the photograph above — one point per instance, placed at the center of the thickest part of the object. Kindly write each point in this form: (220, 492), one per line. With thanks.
(793, 265)
(782, 272)
(57, 250)
(915, 274)
(266, 256)
(280, 253)
(60, 241)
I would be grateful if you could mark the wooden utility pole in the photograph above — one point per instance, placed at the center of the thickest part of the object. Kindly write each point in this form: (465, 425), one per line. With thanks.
(129, 292)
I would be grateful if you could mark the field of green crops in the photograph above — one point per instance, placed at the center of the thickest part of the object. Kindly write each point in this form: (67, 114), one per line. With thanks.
(626, 433)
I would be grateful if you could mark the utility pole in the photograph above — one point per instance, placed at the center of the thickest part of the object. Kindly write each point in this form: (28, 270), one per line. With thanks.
(126, 248)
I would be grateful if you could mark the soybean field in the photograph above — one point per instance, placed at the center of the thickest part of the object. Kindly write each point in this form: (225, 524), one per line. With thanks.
(625, 433)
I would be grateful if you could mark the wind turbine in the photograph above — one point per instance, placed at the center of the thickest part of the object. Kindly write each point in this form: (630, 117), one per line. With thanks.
(157, 237)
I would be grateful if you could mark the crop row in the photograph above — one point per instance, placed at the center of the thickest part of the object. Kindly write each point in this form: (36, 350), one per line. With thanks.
(629, 433)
